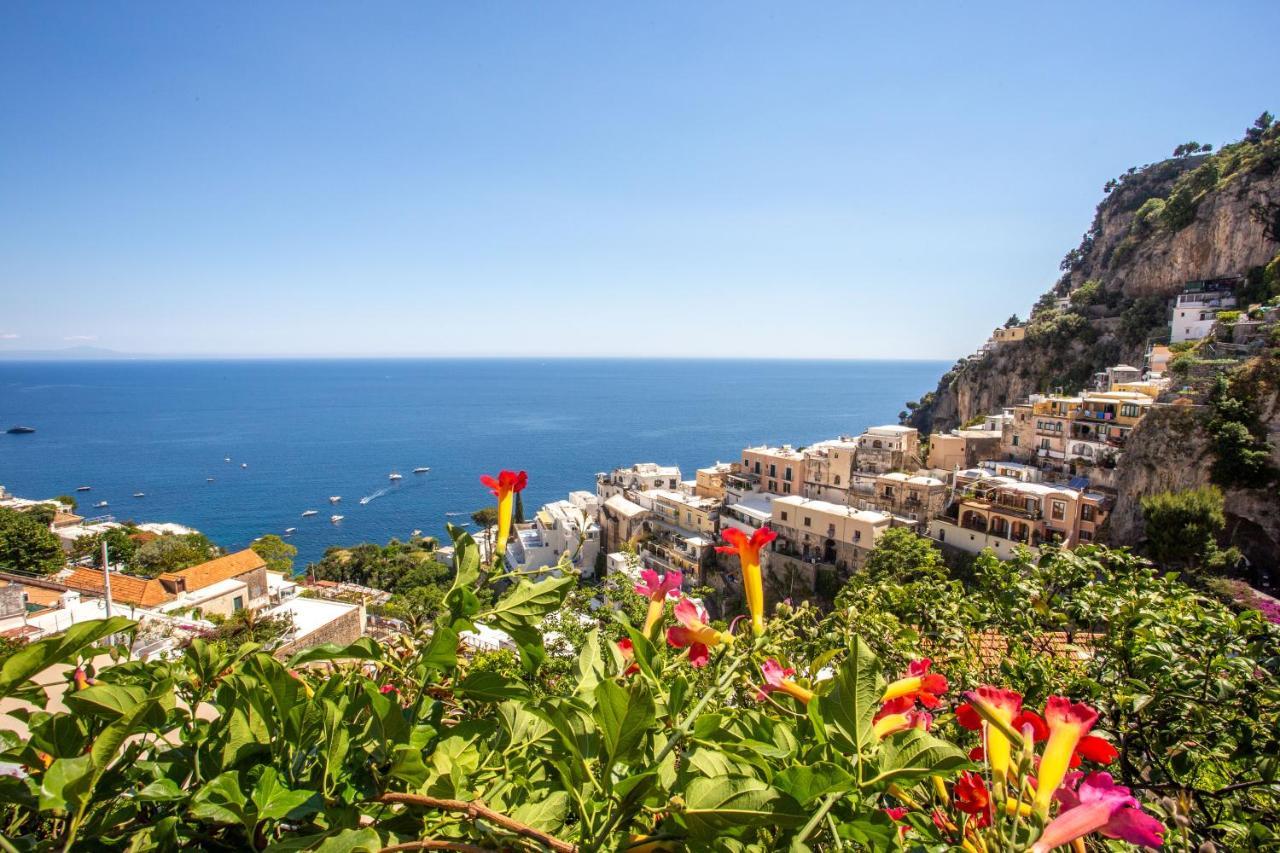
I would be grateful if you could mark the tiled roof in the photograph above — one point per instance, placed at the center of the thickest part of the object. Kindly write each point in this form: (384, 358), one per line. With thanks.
(230, 566)
(992, 647)
(126, 589)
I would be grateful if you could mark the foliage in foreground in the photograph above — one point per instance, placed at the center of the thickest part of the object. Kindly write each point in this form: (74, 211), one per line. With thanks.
(789, 734)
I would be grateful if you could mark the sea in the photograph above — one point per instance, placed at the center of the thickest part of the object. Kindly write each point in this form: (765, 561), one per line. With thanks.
(299, 431)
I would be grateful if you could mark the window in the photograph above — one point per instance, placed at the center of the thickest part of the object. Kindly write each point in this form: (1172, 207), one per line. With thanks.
(1086, 512)
(237, 603)
(808, 521)
(1044, 444)
(786, 488)
(1086, 536)
(1059, 510)
(1015, 441)
(837, 479)
(1129, 410)
(786, 475)
(773, 470)
(784, 515)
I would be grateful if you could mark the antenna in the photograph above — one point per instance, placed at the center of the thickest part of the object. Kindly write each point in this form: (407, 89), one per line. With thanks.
(106, 577)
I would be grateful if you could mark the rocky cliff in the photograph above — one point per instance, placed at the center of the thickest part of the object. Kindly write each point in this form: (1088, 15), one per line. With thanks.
(1191, 217)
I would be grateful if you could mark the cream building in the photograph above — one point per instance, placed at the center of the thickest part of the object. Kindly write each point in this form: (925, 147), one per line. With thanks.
(780, 470)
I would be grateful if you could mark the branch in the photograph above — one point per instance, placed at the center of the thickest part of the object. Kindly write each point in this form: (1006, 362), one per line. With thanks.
(436, 845)
(1221, 792)
(479, 811)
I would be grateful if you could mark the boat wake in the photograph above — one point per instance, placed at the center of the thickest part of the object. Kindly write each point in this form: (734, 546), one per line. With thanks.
(364, 500)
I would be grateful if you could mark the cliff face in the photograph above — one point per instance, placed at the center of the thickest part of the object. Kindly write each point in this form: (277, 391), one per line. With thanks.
(1200, 217)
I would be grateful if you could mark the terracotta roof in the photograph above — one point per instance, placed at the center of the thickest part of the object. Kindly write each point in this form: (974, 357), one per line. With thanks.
(124, 588)
(22, 632)
(40, 595)
(143, 536)
(214, 571)
(992, 646)
(63, 519)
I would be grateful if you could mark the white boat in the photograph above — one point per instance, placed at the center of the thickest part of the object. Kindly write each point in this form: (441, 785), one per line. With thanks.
(336, 518)
(208, 479)
(83, 488)
(244, 464)
(310, 513)
(335, 499)
(100, 504)
(226, 459)
(415, 534)
(365, 500)
(139, 494)
(395, 476)
(289, 531)
(421, 470)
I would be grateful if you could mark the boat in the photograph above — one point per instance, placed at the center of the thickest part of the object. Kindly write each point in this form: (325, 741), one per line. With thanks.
(244, 464)
(452, 514)
(336, 518)
(100, 504)
(365, 500)
(335, 499)
(226, 459)
(422, 470)
(139, 494)
(415, 534)
(310, 513)
(208, 479)
(20, 430)
(395, 476)
(289, 531)
(83, 488)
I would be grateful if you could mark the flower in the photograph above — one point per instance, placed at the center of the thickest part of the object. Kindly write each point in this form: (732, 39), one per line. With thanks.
(777, 678)
(1090, 747)
(994, 703)
(917, 684)
(1068, 721)
(82, 679)
(388, 689)
(628, 651)
(891, 724)
(657, 588)
(504, 489)
(693, 632)
(1098, 805)
(748, 551)
(972, 797)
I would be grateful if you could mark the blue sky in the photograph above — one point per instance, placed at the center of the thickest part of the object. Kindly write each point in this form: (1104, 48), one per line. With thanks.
(666, 179)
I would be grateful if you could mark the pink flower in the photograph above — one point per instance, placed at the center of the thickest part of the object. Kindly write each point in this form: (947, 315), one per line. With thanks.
(693, 632)
(628, 651)
(777, 678)
(1098, 805)
(657, 588)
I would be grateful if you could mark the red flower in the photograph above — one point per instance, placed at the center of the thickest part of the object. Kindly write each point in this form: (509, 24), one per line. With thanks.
(918, 684)
(968, 718)
(748, 551)
(387, 689)
(897, 813)
(693, 632)
(972, 797)
(628, 651)
(1095, 749)
(657, 588)
(508, 483)
(776, 677)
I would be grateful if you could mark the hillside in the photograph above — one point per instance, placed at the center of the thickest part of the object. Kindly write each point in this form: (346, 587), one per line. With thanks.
(1191, 217)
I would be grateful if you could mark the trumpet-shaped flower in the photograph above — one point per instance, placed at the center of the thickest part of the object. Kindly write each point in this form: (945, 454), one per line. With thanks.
(917, 685)
(1090, 747)
(748, 551)
(778, 678)
(891, 724)
(82, 679)
(972, 797)
(693, 632)
(628, 651)
(1098, 805)
(1068, 721)
(996, 704)
(504, 488)
(657, 588)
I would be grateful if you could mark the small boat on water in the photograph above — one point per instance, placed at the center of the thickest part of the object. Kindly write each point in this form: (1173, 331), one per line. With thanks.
(100, 504)
(365, 500)
(20, 430)
(335, 499)
(83, 488)
(422, 470)
(394, 476)
(139, 494)
(289, 531)
(310, 513)
(415, 534)
(452, 514)
(208, 479)
(226, 459)
(336, 518)
(244, 464)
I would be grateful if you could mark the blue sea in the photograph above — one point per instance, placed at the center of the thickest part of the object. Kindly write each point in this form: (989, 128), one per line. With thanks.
(308, 429)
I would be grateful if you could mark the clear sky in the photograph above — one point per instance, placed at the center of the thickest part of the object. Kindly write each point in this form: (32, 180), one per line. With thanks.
(658, 179)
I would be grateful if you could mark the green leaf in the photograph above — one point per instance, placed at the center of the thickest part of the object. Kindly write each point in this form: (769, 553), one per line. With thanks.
(807, 784)
(854, 697)
(161, 790)
(32, 659)
(716, 805)
(442, 651)
(590, 667)
(523, 606)
(466, 559)
(274, 801)
(104, 700)
(220, 800)
(365, 648)
(915, 754)
(65, 786)
(488, 686)
(546, 814)
(622, 716)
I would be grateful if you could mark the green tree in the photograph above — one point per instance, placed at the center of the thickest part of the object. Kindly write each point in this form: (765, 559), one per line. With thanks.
(1183, 527)
(27, 545)
(903, 556)
(278, 553)
(68, 501)
(485, 517)
(172, 553)
(121, 546)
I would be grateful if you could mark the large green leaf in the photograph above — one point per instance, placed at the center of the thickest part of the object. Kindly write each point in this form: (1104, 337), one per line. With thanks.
(547, 814)
(915, 754)
(622, 716)
(524, 605)
(809, 783)
(365, 648)
(442, 651)
(590, 667)
(851, 703)
(104, 700)
(66, 785)
(717, 805)
(221, 800)
(488, 686)
(275, 801)
(29, 660)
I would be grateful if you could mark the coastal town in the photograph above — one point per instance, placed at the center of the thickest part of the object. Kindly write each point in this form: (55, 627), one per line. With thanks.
(1041, 472)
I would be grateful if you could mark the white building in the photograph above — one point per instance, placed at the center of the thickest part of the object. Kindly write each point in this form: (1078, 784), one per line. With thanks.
(559, 528)
(1195, 313)
(888, 448)
(639, 477)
